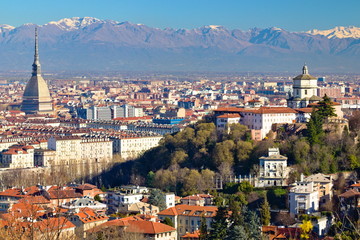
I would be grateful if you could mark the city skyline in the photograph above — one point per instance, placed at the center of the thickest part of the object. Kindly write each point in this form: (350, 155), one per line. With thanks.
(293, 16)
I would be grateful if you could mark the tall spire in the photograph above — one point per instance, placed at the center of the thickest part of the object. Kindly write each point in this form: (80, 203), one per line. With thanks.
(36, 67)
(305, 69)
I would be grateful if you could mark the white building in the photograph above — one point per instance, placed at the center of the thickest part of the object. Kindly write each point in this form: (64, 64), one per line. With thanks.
(170, 200)
(85, 202)
(96, 149)
(18, 157)
(161, 129)
(126, 110)
(273, 169)
(68, 149)
(74, 149)
(117, 200)
(261, 119)
(223, 121)
(303, 198)
(188, 218)
(131, 146)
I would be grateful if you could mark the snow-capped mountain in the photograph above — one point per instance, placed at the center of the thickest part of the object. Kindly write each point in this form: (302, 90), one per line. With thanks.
(338, 32)
(75, 23)
(5, 28)
(93, 44)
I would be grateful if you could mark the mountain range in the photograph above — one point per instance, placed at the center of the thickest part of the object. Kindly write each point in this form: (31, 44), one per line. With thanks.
(90, 44)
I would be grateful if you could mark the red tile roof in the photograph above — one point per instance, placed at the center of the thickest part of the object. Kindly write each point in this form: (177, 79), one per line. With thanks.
(350, 193)
(62, 194)
(261, 110)
(229, 115)
(186, 210)
(192, 235)
(148, 227)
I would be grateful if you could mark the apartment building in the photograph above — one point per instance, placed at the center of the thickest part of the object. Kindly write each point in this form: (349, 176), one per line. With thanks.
(188, 218)
(261, 119)
(303, 198)
(273, 169)
(132, 145)
(96, 149)
(74, 149)
(18, 156)
(223, 121)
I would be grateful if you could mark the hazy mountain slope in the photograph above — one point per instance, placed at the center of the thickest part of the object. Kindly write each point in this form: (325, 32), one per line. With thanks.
(93, 44)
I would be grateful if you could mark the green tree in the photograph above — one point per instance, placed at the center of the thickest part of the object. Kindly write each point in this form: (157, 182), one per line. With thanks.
(325, 108)
(203, 229)
(224, 152)
(207, 180)
(315, 130)
(265, 212)
(245, 187)
(157, 198)
(235, 208)
(165, 180)
(192, 182)
(237, 132)
(354, 162)
(253, 225)
(243, 150)
(219, 224)
(168, 221)
(238, 232)
(150, 178)
(178, 157)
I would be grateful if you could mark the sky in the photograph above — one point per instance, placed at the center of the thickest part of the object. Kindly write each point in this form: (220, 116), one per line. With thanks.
(292, 15)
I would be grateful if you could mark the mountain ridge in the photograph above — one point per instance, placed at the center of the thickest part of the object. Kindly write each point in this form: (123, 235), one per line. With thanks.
(81, 43)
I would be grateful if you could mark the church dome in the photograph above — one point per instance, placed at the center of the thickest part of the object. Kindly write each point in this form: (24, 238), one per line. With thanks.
(305, 75)
(36, 97)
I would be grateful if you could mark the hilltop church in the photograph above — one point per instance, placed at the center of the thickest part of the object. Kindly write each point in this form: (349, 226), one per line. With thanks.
(304, 90)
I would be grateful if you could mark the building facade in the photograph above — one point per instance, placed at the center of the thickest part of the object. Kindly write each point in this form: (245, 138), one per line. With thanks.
(305, 90)
(273, 169)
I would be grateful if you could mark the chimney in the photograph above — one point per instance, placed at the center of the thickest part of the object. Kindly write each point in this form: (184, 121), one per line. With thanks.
(302, 177)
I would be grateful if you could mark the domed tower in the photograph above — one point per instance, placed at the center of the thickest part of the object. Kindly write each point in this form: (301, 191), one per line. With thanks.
(304, 90)
(36, 98)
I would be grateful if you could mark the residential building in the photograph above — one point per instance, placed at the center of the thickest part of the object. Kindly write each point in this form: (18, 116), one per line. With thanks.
(193, 200)
(76, 204)
(138, 208)
(86, 219)
(116, 200)
(169, 200)
(303, 198)
(325, 188)
(187, 218)
(131, 146)
(149, 229)
(225, 120)
(260, 119)
(68, 149)
(44, 157)
(74, 149)
(273, 169)
(95, 149)
(18, 156)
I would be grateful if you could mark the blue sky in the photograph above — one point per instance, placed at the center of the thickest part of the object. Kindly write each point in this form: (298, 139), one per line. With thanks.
(292, 15)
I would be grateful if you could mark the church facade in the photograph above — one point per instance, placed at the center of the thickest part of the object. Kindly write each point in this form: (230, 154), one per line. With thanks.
(304, 90)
